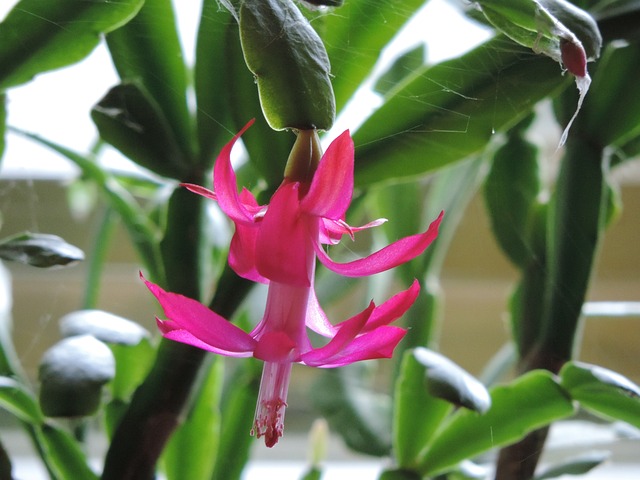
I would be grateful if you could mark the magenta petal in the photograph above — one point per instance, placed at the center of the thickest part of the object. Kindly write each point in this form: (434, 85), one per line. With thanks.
(200, 322)
(332, 185)
(378, 343)
(275, 347)
(397, 253)
(316, 319)
(242, 253)
(347, 331)
(225, 186)
(171, 331)
(284, 253)
(393, 308)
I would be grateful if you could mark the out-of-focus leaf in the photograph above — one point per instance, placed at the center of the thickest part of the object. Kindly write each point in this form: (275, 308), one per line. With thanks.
(525, 305)
(144, 233)
(510, 192)
(355, 34)
(130, 120)
(3, 128)
(619, 21)
(576, 222)
(40, 250)
(602, 391)
(64, 455)
(318, 444)
(16, 399)
(5, 463)
(314, 473)
(210, 81)
(104, 326)
(399, 474)
(611, 112)
(325, 3)
(360, 416)
(191, 451)
(290, 65)
(417, 414)
(39, 36)
(529, 402)
(544, 24)
(451, 110)
(574, 466)
(239, 403)
(402, 68)
(72, 374)
(148, 50)
(449, 382)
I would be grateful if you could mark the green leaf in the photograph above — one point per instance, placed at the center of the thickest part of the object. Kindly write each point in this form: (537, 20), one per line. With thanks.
(402, 68)
(40, 250)
(314, 473)
(191, 451)
(268, 149)
(5, 463)
(417, 414)
(16, 399)
(611, 113)
(3, 128)
(359, 415)
(620, 21)
(290, 65)
(64, 455)
(39, 36)
(148, 50)
(104, 326)
(143, 232)
(129, 343)
(510, 192)
(449, 382)
(354, 36)
(451, 110)
(238, 407)
(602, 391)
(72, 374)
(210, 81)
(574, 466)
(129, 119)
(542, 24)
(400, 474)
(529, 402)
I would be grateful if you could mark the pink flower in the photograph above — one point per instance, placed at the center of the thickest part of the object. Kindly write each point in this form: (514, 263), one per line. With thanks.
(278, 244)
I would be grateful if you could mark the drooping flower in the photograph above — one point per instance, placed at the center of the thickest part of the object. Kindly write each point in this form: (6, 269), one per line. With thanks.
(278, 244)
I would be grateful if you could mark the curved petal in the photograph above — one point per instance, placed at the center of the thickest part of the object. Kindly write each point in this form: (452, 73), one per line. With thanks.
(171, 331)
(348, 330)
(225, 185)
(394, 308)
(200, 322)
(378, 343)
(391, 256)
(332, 186)
(316, 319)
(242, 251)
